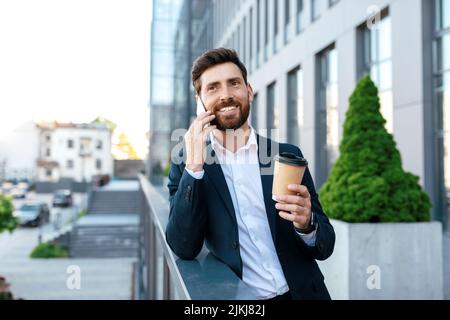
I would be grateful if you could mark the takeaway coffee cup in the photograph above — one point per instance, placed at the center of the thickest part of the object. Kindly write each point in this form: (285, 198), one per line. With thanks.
(289, 169)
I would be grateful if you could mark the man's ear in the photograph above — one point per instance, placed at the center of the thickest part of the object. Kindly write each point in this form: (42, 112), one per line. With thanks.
(250, 93)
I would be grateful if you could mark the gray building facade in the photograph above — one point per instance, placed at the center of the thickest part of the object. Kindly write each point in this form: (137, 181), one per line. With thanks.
(305, 57)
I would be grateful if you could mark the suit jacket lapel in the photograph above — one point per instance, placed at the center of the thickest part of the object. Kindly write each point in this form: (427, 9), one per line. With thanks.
(215, 174)
(266, 168)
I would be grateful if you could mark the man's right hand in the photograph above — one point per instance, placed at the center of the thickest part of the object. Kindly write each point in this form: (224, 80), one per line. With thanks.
(195, 139)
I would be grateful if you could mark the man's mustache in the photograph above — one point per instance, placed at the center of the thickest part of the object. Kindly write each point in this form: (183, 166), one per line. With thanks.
(224, 104)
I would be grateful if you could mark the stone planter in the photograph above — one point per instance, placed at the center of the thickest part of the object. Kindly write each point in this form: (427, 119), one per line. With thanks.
(385, 261)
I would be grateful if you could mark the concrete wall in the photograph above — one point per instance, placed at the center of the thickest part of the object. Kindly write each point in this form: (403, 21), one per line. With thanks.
(405, 259)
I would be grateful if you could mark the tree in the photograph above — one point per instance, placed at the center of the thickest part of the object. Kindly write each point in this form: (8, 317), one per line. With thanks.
(109, 124)
(7, 220)
(123, 149)
(367, 182)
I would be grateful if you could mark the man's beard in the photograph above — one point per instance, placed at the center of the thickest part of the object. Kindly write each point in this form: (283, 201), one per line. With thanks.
(224, 123)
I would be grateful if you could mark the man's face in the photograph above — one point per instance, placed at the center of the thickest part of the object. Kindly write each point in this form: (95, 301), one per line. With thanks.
(225, 93)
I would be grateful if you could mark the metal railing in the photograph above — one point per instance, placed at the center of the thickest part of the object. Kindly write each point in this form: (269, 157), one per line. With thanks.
(161, 274)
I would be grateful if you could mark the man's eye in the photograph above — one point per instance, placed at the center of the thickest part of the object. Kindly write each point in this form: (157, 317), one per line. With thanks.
(235, 83)
(211, 88)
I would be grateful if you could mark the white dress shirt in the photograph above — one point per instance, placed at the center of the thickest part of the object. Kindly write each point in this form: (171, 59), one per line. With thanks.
(261, 267)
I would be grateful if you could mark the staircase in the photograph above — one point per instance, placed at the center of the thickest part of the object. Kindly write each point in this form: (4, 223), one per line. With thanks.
(110, 227)
(114, 202)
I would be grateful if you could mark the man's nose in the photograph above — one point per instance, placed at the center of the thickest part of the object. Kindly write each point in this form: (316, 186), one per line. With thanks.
(225, 95)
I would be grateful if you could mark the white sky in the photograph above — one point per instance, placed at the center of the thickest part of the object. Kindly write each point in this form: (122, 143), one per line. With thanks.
(74, 60)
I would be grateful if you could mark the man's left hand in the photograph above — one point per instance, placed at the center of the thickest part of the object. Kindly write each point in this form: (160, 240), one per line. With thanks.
(295, 208)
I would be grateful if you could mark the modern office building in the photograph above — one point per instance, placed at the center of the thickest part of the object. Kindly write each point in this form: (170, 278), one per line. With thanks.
(305, 57)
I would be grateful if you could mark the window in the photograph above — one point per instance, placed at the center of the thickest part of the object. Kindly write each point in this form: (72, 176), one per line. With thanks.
(327, 112)
(300, 16)
(48, 138)
(442, 101)
(266, 29)
(250, 34)
(48, 172)
(48, 152)
(99, 144)
(375, 53)
(70, 144)
(275, 26)
(295, 105)
(287, 21)
(272, 109)
(254, 112)
(98, 164)
(238, 41)
(258, 21)
(85, 146)
(69, 164)
(244, 42)
(442, 14)
(317, 7)
(332, 2)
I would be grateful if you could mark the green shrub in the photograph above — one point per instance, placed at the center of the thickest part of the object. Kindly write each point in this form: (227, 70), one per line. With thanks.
(367, 182)
(167, 169)
(5, 294)
(49, 250)
(7, 220)
(82, 213)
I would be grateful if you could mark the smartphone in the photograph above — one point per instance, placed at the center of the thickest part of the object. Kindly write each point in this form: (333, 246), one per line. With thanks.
(201, 109)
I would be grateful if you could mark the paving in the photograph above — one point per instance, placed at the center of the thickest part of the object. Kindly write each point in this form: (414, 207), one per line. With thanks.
(49, 279)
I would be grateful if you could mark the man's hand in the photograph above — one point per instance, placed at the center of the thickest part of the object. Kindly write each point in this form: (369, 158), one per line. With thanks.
(295, 208)
(195, 141)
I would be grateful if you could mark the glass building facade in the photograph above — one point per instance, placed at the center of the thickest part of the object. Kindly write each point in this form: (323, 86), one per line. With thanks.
(180, 32)
(441, 75)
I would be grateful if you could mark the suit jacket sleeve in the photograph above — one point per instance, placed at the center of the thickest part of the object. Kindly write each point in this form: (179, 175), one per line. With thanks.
(185, 229)
(325, 236)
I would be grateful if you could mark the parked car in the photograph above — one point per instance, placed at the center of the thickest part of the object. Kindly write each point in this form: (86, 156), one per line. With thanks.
(19, 193)
(32, 214)
(62, 198)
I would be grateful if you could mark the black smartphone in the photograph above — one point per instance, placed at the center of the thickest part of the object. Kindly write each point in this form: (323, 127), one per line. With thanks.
(201, 108)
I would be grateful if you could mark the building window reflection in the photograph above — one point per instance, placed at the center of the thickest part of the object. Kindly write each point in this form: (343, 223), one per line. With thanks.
(295, 105)
(272, 109)
(442, 95)
(254, 112)
(300, 16)
(376, 56)
(327, 112)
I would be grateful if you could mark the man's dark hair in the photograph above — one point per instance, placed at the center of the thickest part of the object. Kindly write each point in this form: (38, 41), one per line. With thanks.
(214, 57)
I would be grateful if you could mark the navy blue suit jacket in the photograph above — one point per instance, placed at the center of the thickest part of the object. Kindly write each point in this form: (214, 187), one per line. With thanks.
(202, 210)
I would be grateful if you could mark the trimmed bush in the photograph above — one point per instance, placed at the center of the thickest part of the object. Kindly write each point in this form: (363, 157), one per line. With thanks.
(7, 220)
(367, 182)
(49, 250)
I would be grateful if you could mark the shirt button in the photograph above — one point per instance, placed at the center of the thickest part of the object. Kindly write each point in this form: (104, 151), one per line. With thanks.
(235, 245)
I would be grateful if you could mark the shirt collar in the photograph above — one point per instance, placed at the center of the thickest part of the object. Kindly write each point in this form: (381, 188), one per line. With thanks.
(252, 142)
